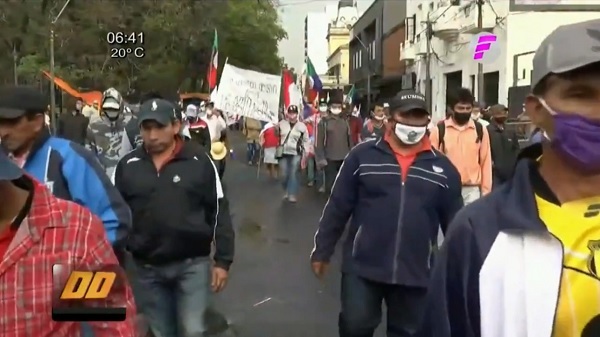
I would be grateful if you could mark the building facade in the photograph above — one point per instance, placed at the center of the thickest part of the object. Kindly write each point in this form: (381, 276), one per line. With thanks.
(393, 33)
(315, 40)
(454, 24)
(365, 50)
(338, 38)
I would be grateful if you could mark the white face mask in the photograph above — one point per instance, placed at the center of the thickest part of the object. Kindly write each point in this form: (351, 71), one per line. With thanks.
(379, 118)
(323, 109)
(410, 134)
(336, 111)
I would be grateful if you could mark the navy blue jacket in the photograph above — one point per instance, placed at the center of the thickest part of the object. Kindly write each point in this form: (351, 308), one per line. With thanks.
(453, 307)
(394, 224)
(73, 173)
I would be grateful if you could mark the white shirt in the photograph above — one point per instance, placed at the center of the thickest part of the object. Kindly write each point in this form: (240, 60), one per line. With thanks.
(216, 126)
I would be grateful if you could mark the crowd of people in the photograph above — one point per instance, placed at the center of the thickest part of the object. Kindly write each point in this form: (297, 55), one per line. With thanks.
(521, 229)
(95, 195)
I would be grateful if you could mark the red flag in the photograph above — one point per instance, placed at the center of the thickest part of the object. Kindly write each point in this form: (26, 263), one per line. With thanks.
(288, 81)
(211, 76)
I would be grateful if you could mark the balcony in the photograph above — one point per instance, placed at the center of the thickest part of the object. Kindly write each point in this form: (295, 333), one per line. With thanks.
(420, 47)
(447, 26)
(469, 20)
(407, 51)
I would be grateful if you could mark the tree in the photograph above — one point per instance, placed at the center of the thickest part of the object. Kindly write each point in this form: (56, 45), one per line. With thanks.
(177, 41)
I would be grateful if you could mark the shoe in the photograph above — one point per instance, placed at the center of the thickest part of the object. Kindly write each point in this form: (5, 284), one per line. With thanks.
(311, 184)
(285, 196)
(292, 198)
(250, 163)
(321, 189)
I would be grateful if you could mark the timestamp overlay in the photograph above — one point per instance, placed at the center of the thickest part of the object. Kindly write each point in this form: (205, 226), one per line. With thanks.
(126, 44)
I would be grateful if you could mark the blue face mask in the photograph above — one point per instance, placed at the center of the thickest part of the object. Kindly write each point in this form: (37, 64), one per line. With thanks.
(576, 139)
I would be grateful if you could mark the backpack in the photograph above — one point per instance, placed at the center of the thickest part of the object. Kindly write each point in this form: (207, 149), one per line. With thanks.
(442, 132)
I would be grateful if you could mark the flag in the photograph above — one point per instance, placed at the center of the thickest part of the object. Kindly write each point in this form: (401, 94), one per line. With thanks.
(313, 82)
(350, 96)
(288, 82)
(307, 111)
(214, 64)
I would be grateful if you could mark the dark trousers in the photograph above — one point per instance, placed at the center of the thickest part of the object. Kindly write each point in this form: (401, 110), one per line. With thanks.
(331, 171)
(361, 307)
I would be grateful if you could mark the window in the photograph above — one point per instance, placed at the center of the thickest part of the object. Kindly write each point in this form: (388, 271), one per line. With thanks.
(431, 6)
(409, 31)
(473, 83)
(373, 50)
(360, 59)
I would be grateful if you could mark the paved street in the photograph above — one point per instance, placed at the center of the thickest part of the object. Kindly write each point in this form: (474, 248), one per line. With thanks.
(272, 292)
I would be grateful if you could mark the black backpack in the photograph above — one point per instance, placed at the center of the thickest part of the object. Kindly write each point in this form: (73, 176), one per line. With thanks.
(442, 132)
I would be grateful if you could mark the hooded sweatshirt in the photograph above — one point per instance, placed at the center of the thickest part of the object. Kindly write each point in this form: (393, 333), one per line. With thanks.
(108, 132)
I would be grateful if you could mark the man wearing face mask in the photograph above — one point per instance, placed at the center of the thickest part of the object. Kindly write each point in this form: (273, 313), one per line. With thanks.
(315, 175)
(73, 126)
(467, 145)
(504, 145)
(108, 128)
(334, 140)
(375, 126)
(396, 192)
(525, 260)
(477, 115)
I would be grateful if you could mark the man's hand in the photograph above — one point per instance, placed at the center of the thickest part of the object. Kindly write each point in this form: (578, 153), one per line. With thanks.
(219, 279)
(321, 164)
(319, 268)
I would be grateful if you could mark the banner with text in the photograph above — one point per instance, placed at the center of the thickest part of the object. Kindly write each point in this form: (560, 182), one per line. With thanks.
(248, 93)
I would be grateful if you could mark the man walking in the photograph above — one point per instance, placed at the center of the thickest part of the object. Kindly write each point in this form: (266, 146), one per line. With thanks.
(334, 141)
(375, 125)
(396, 191)
(467, 144)
(108, 128)
(171, 249)
(504, 145)
(73, 125)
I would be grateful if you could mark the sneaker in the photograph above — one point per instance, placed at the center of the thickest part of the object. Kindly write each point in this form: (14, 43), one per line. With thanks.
(311, 184)
(285, 196)
(250, 163)
(321, 189)
(292, 198)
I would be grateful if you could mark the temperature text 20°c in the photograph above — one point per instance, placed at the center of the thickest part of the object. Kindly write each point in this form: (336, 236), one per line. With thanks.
(123, 52)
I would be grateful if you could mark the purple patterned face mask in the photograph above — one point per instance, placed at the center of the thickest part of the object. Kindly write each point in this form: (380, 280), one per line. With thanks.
(577, 140)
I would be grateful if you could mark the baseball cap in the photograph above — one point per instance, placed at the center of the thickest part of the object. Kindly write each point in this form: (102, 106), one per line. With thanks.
(160, 110)
(407, 100)
(567, 48)
(16, 101)
(8, 169)
(292, 109)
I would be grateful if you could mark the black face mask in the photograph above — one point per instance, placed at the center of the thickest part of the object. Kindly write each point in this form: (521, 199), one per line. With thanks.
(462, 118)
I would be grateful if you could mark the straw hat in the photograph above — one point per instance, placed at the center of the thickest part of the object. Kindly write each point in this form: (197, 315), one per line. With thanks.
(218, 151)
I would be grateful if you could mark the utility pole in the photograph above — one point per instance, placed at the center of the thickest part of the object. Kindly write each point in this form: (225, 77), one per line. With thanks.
(15, 56)
(428, 89)
(53, 115)
(480, 88)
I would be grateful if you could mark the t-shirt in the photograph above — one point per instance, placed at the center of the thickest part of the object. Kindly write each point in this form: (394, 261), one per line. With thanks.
(270, 137)
(577, 226)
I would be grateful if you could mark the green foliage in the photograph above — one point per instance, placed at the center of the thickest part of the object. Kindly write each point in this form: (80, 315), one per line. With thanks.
(178, 38)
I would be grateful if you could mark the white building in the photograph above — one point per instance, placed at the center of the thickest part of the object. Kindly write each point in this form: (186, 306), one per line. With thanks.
(519, 30)
(315, 40)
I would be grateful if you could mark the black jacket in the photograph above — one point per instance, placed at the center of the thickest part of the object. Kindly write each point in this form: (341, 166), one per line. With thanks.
(179, 211)
(504, 145)
(73, 126)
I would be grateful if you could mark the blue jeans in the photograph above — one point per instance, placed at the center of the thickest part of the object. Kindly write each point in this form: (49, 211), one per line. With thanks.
(289, 173)
(361, 307)
(174, 297)
(314, 174)
(252, 151)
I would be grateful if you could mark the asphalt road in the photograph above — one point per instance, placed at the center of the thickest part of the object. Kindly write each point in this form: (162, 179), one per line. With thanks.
(272, 291)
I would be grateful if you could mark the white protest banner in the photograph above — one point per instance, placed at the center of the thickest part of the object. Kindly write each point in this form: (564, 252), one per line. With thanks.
(249, 93)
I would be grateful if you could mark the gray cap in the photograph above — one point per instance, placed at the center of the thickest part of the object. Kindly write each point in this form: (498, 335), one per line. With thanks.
(567, 48)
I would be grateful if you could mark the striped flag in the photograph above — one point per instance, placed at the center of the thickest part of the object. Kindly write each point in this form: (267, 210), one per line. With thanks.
(211, 77)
